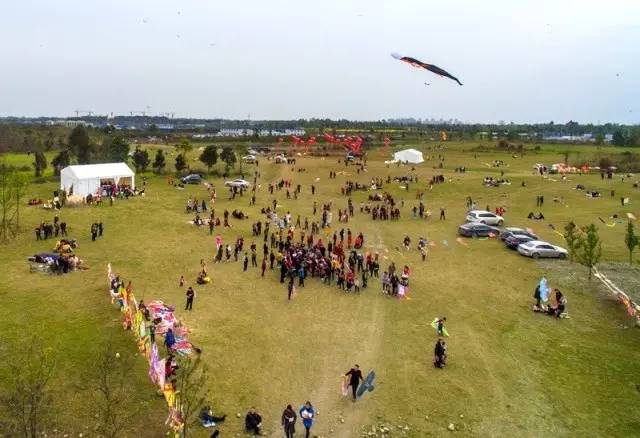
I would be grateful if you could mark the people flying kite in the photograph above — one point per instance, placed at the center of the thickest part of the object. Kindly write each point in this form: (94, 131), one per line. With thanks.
(419, 64)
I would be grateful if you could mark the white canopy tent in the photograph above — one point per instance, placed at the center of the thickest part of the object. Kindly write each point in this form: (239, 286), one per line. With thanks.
(411, 156)
(89, 178)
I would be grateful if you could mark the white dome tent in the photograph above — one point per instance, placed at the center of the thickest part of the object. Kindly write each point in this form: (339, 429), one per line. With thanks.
(88, 179)
(410, 156)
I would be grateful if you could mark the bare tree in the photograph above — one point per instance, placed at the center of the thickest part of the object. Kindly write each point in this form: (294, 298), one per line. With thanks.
(25, 399)
(192, 392)
(12, 188)
(113, 396)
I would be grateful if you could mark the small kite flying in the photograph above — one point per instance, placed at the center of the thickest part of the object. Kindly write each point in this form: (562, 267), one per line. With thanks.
(419, 64)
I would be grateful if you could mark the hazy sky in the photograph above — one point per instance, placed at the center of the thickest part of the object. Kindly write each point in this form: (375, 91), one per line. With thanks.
(519, 60)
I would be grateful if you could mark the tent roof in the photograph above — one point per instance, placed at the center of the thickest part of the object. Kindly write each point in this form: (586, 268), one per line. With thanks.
(85, 171)
(412, 151)
(411, 155)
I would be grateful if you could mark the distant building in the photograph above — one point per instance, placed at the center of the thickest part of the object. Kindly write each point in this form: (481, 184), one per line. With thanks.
(68, 123)
(234, 132)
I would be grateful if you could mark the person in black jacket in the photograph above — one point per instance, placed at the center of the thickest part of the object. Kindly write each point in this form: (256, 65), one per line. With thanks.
(355, 376)
(253, 421)
(289, 418)
(440, 354)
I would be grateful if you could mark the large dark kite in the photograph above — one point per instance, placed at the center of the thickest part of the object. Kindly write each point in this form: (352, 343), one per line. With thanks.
(432, 68)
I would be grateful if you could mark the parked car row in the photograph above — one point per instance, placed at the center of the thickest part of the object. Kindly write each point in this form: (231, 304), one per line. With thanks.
(482, 224)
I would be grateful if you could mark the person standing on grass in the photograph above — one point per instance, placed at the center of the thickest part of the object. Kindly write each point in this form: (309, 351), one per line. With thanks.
(253, 422)
(440, 325)
(290, 289)
(190, 296)
(442, 215)
(440, 354)
(245, 261)
(100, 228)
(355, 376)
(301, 275)
(169, 340)
(289, 418)
(94, 231)
(307, 412)
(263, 266)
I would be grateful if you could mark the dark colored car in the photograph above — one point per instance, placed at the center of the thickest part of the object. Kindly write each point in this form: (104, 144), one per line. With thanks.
(476, 229)
(194, 178)
(513, 240)
(521, 231)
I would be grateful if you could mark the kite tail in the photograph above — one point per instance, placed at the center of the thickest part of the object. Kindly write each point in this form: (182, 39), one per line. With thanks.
(459, 83)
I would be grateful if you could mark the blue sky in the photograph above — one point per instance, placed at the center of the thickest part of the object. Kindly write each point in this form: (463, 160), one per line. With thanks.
(281, 59)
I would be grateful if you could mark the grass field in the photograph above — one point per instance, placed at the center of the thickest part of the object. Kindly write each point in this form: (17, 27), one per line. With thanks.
(510, 372)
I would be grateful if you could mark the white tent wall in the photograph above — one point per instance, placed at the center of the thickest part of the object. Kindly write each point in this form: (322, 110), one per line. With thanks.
(409, 156)
(85, 179)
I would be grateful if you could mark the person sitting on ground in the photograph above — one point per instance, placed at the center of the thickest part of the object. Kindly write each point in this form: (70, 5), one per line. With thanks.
(537, 217)
(253, 422)
(203, 278)
(560, 308)
(208, 419)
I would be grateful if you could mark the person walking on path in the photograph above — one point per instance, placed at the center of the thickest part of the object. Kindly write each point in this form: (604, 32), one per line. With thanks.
(307, 412)
(290, 289)
(355, 376)
(190, 295)
(289, 418)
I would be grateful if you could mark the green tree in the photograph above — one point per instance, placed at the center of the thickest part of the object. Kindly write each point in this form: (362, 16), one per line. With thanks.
(50, 141)
(117, 149)
(40, 163)
(590, 248)
(599, 138)
(181, 163)
(153, 129)
(209, 157)
(80, 144)
(631, 240)
(619, 139)
(572, 237)
(60, 161)
(141, 160)
(191, 383)
(184, 146)
(229, 157)
(159, 162)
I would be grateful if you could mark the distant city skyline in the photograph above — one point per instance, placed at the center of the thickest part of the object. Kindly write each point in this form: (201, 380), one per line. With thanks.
(521, 62)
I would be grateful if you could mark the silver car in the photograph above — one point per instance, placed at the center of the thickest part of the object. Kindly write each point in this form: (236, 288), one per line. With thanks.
(484, 217)
(537, 249)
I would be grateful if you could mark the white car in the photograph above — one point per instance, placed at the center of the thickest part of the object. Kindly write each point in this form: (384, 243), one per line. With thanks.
(484, 217)
(237, 183)
(281, 159)
(249, 159)
(538, 248)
